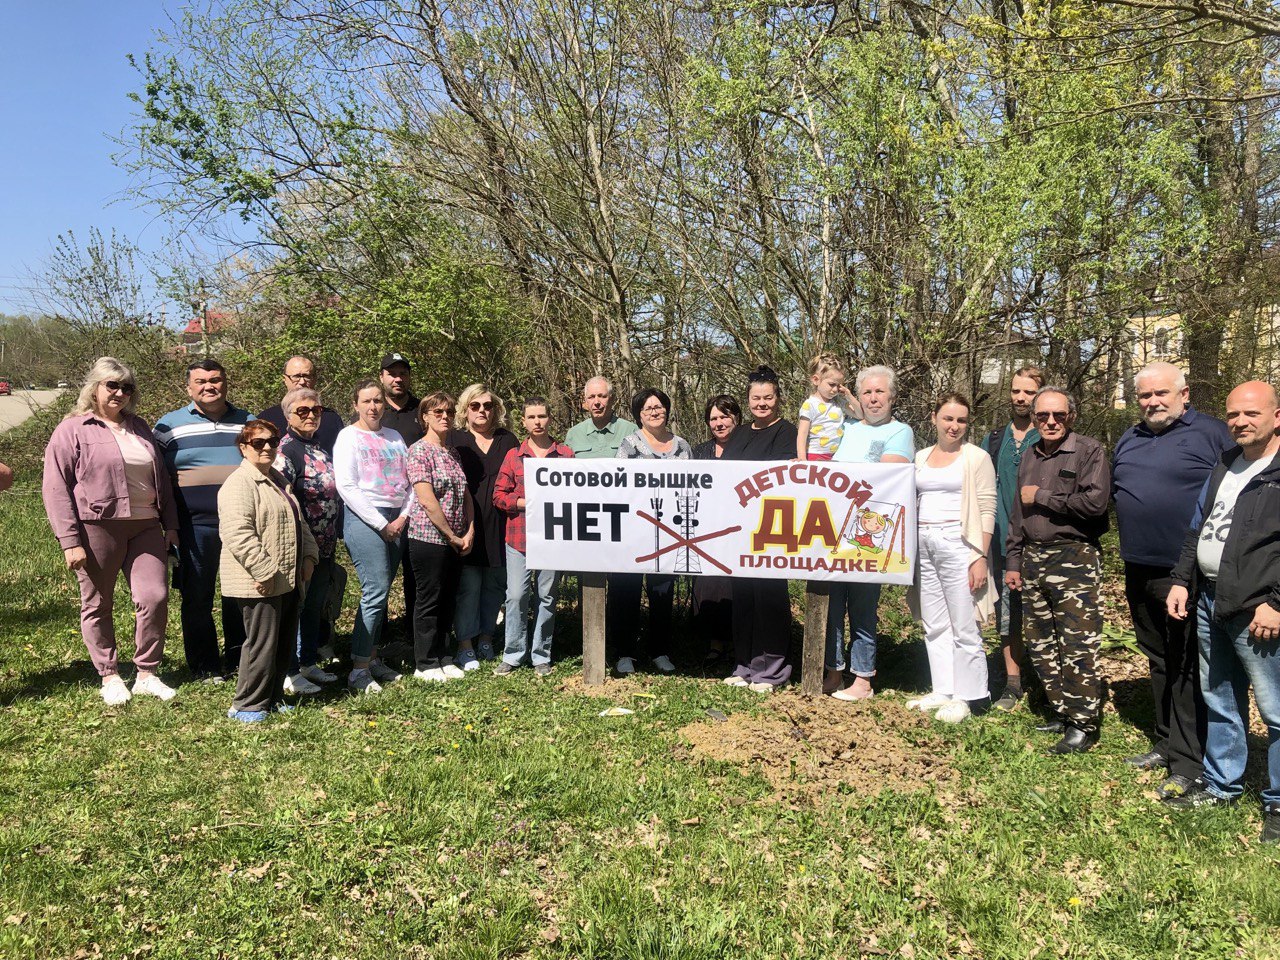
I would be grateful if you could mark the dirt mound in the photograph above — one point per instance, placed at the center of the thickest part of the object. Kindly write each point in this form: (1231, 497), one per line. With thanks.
(815, 748)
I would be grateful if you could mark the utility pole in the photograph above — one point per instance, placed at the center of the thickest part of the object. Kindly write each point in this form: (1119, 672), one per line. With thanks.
(202, 307)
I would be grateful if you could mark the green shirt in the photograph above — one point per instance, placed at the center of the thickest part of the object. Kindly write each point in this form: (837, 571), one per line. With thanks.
(1007, 480)
(587, 442)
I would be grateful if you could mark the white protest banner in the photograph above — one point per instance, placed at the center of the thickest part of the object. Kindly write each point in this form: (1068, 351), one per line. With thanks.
(805, 520)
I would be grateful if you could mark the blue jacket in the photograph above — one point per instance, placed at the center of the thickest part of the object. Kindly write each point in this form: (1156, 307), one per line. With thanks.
(1156, 479)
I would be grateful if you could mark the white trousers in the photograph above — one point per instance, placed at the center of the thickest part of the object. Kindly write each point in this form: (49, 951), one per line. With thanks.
(957, 661)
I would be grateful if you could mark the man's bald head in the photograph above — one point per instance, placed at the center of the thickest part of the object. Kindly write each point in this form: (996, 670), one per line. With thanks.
(299, 373)
(1253, 417)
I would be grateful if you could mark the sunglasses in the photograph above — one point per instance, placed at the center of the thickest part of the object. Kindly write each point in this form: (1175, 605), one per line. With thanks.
(441, 412)
(115, 386)
(1045, 416)
(307, 412)
(762, 378)
(477, 405)
(261, 443)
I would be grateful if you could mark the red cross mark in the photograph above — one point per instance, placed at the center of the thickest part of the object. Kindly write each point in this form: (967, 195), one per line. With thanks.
(681, 541)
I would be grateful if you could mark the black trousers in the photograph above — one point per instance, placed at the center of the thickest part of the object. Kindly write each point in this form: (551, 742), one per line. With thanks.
(271, 630)
(437, 570)
(761, 630)
(623, 614)
(406, 568)
(1171, 648)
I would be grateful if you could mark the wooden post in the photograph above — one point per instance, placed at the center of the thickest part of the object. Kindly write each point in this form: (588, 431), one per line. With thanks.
(593, 607)
(817, 597)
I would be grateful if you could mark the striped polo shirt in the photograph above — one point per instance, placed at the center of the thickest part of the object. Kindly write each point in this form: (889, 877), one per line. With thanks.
(201, 454)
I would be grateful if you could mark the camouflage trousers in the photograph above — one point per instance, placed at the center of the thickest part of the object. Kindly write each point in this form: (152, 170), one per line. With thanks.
(1062, 626)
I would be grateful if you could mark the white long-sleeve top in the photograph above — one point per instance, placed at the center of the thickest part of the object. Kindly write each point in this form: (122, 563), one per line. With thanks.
(372, 470)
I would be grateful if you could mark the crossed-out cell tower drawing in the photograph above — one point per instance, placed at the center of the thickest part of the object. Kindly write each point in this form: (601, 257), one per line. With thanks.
(685, 543)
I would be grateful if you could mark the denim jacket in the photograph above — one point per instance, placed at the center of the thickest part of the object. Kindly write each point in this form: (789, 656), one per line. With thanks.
(84, 477)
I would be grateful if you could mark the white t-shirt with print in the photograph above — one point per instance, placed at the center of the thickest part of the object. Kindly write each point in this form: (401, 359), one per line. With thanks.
(826, 423)
(1217, 525)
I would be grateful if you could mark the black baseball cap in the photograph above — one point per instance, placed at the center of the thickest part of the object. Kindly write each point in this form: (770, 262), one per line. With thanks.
(393, 358)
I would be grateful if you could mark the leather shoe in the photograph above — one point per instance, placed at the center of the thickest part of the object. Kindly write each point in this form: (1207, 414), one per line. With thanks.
(1271, 825)
(1149, 761)
(1074, 740)
(1053, 726)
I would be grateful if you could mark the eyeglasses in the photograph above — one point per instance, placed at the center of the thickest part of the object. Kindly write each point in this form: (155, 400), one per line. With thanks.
(1045, 416)
(476, 405)
(295, 377)
(441, 412)
(115, 386)
(306, 413)
(260, 443)
(658, 409)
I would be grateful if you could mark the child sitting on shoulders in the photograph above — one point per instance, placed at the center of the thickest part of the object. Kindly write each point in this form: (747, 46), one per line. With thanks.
(825, 410)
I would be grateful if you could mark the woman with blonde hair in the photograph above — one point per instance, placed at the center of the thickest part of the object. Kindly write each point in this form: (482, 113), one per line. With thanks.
(481, 443)
(111, 505)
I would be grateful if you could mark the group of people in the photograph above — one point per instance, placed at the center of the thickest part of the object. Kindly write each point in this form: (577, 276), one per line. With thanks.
(1009, 529)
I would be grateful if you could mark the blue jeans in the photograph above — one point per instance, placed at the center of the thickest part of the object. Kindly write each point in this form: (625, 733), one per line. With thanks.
(480, 596)
(521, 581)
(376, 561)
(860, 602)
(312, 623)
(1230, 660)
(199, 554)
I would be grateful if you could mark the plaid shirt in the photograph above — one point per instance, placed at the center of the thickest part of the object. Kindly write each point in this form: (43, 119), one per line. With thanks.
(508, 489)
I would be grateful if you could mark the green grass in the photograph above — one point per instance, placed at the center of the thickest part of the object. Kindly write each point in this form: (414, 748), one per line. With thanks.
(503, 818)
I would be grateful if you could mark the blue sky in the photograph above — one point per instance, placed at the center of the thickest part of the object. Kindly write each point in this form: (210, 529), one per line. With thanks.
(64, 83)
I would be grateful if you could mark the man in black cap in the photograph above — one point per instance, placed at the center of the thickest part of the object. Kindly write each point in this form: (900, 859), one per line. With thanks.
(402, 405)
(402, 417)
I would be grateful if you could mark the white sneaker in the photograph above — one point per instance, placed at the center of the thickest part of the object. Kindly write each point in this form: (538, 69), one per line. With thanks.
(317, 674)
(735, 681)
(431, 675)
(451, 671)
(298, 685)
(761, 687)
(326, 654)
(928, 702)
(953, 711)
(382, 673)
(114, 692)
(361, 681)
(664, 664)
(625, 665)
(153, 686)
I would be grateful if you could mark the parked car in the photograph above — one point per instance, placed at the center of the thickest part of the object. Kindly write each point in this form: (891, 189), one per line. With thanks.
(5, 389)
(63, 385)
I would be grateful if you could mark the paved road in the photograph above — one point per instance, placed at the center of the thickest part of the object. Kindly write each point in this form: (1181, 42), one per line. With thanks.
(23, 403)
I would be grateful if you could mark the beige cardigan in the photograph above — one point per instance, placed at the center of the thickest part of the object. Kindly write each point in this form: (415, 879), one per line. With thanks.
(260, 534)
(977, 517)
